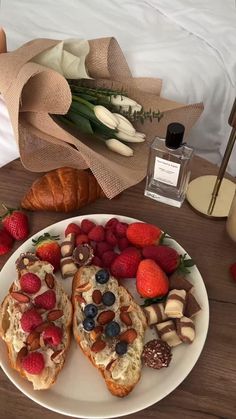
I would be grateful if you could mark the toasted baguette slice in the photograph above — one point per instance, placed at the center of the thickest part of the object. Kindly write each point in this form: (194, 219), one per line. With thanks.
(121, 372)
(15, 338)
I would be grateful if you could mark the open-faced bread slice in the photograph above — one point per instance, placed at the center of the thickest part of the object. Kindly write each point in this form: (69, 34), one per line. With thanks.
(120, 371)
(58, 314)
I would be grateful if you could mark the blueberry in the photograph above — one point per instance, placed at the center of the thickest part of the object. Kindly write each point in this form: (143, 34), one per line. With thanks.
(102, 276)
(88, 324)
(112, 329)
(90, 310)
(108, 298)
(121, 348)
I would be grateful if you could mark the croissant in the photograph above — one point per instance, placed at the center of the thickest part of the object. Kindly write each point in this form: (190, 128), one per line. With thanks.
(64, 189)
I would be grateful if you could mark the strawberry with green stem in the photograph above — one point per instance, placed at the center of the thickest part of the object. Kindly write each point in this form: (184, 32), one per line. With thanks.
(15, 222)
(168, 258)
(48, 249)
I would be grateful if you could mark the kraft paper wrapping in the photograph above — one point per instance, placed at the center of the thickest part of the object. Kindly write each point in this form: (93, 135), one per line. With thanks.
(33, 92)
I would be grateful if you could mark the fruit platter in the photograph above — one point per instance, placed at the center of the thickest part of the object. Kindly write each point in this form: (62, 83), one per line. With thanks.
(134, 300)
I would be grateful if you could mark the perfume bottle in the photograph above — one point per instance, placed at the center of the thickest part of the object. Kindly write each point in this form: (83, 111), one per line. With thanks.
(169, 167)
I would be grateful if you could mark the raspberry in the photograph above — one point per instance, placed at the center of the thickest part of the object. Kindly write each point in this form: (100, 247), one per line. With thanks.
(97, 234)
(111, 224)
(102, 247)
(33, 363)
(30, 320)
(47, 300)
(72, 228)
(120, 230)
(97, 261)
(93, 244)
(81, 239)
(111, 238)
(30, 283)
(123, 243)
(232, 270)
(108, 258)
(87, 225)
(52, 335)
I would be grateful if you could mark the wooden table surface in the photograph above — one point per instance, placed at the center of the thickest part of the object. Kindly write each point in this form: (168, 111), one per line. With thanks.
(209, 391)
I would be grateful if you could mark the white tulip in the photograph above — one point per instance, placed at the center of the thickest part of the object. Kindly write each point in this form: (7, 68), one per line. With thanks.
(124, 124)
(105, 116)
(119, 147)
(120, 100)
(130, 138)
(135, 108)
(140, 134)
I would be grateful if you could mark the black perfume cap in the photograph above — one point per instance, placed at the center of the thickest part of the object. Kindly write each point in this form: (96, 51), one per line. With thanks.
(174, 135)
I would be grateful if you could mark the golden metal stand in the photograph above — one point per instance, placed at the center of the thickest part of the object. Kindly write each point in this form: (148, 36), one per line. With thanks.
(212, 196)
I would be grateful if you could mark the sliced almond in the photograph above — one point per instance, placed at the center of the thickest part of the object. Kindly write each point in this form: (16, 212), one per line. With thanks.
(80, 299)
(110, 366)
(54, 315)
(20, 297)
(105, 317)
(42, 327)
(33, 341)
(84, 287)
(49, 279)
(21, 354)
(128, 336)
(55, 355)
(126, 308)
(96, 332)
(125, 318)
(98, 346)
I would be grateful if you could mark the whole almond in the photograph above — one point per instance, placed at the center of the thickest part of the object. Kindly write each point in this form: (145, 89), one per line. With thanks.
(105, 317)
(110, 365)
(21, 354)
(125, 318)
(128, 336)
(20, 297)
(42, 327)
(97, 296)
(97, 331)
(49, 279)
(54, 315)
(32, 341)
(98, 346)
(80, 299)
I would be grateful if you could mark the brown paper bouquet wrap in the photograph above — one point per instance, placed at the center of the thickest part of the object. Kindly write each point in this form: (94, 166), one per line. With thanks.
(33, 93)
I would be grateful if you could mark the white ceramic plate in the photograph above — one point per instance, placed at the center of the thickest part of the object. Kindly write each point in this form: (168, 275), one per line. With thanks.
(80, 390)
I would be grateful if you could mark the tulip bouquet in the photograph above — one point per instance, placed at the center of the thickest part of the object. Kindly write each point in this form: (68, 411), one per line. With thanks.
(107, 115)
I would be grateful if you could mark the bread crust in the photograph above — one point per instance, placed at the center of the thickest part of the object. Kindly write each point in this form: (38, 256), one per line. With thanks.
(49, 375)
(116, 387)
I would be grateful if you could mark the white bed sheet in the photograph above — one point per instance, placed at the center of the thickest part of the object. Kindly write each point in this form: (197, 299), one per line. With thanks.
(190, 45)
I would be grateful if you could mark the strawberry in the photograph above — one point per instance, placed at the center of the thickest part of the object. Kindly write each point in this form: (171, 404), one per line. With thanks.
(52, 335)
(167, 258)
(108, 257)
(72, 228)
(97, 234)
(151, 280)
(30, 283)
(30, 320)
(143, 234)
(47, 300)
(232, 270)
(16, 223)
(33, 363)
(6, 242)
(126, 263)
(87, 225)
(81, 239)
(47, 249)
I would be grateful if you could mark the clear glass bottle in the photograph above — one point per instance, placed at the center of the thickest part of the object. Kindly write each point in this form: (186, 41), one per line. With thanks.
(169, 167)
